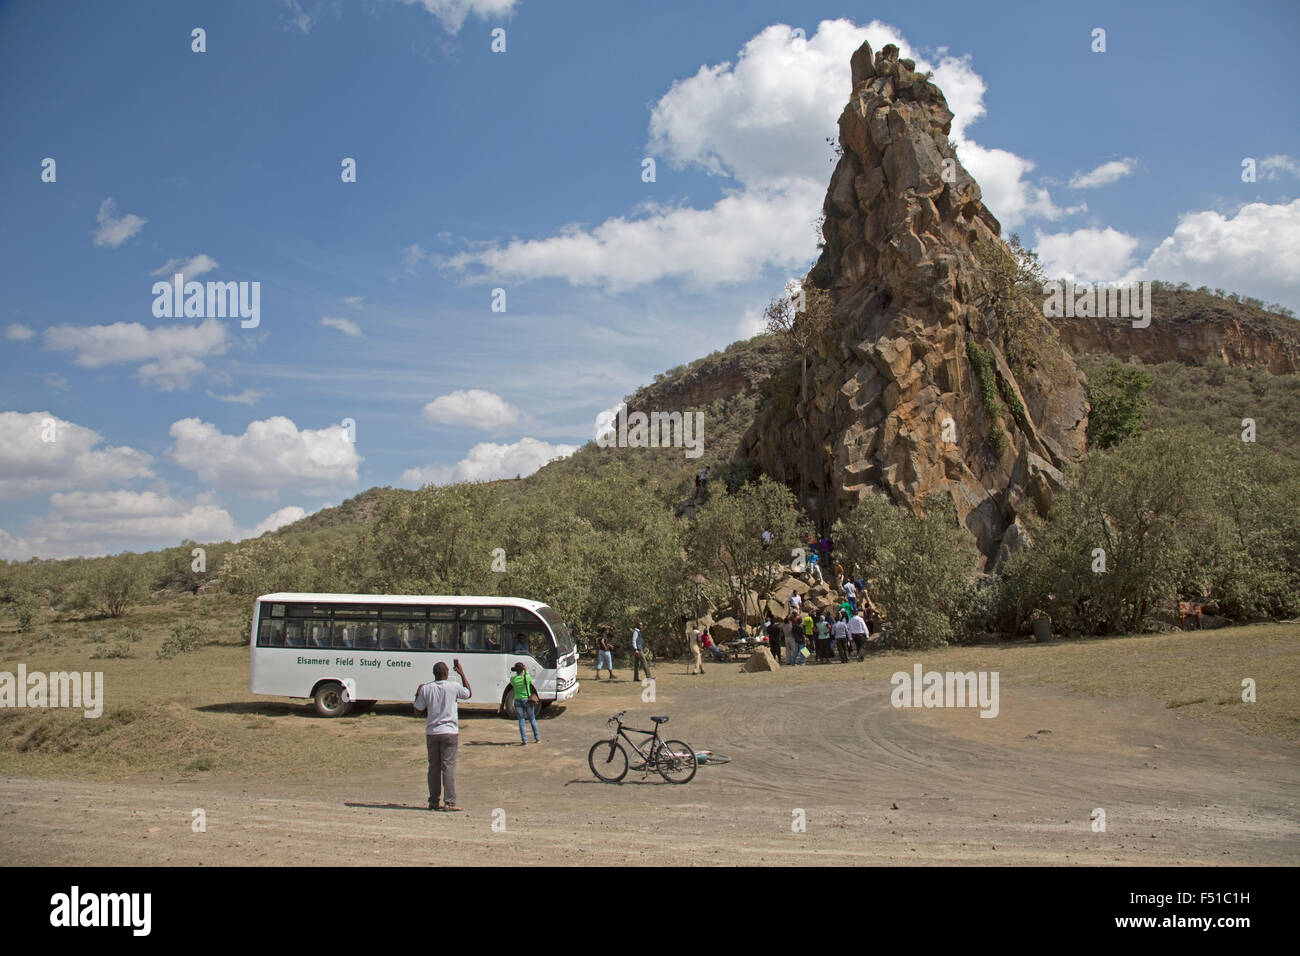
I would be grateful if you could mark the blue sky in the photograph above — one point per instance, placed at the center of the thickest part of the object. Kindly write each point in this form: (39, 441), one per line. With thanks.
(522, 170)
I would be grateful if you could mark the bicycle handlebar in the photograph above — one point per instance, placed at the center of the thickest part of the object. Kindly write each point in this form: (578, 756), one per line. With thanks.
(616, 717)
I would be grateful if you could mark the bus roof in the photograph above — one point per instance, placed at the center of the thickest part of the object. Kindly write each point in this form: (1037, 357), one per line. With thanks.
(462, 599)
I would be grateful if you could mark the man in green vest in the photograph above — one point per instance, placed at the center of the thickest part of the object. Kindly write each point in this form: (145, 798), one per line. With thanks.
(525, 695)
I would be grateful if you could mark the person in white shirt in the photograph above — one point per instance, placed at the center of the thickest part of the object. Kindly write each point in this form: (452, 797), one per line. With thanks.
(438, 700)
(858, 630)
(840, 635)
(639, 662)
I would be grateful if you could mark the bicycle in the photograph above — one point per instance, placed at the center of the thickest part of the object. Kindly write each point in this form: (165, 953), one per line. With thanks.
(674, 759)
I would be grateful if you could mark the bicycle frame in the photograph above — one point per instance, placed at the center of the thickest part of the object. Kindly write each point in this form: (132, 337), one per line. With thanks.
(652, 736)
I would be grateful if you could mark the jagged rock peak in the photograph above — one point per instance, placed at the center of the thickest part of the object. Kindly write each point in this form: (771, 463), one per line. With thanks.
(929, 380)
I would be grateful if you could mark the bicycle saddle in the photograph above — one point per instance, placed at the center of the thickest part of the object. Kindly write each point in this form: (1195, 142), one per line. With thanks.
(660, 720)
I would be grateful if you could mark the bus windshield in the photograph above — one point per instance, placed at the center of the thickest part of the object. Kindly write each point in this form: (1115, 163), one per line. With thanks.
(563, 640)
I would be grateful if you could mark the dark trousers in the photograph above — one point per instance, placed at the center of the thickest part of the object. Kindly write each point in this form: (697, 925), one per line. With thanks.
(639, 663)
(844, 650)
(442, 766)
(823, 648)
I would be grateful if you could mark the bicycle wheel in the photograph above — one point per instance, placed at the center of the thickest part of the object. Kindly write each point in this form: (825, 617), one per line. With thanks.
(676, 762)
(608, 760)
(710, 757)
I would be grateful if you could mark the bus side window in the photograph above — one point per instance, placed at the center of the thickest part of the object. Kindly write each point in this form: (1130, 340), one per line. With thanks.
(318, 634)
(368, 636)
(345, 634)
(442, 636)
(270, 633)
(293, 634)
(473, 636)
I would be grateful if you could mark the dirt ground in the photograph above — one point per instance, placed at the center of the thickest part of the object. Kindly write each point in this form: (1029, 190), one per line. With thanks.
(872, 784)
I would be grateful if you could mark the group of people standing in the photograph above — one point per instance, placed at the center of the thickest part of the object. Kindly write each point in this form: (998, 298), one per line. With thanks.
(824, 632)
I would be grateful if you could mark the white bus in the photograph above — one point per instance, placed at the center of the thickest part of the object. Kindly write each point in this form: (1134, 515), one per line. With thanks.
(346, 649)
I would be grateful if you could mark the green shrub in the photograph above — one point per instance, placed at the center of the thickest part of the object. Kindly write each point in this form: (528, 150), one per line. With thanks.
(184, 637)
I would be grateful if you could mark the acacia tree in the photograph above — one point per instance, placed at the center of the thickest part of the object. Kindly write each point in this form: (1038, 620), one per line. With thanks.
(725, 541)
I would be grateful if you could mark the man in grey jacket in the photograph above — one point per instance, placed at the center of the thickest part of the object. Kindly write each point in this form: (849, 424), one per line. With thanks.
(438, 700)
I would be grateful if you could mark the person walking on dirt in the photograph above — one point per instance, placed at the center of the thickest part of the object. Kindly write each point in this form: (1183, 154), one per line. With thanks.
(525, 698)
(639, 662)
(697, 665)
(604, 653)
(438, 700)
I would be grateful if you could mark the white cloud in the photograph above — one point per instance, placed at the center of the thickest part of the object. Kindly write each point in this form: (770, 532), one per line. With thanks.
(170, 355)
(1092, 255)
(100, 522)
(1104, 175)
(473, 408)
(278, 519)
(356, 301)
(453, 13)
(113, 229)
(1271, 167)
(271, 455)
(249, 396)
(18, 333)
(412, 256)
(751, 323)
(1255, 252)
(488, 461)
(189, 268)
(761, 124)
(346, 326)
(30, 465)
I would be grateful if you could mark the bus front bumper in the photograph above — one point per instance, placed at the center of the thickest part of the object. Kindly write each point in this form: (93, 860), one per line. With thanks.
(568, 691)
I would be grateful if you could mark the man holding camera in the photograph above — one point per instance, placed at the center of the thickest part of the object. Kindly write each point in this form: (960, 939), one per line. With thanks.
(438, 700)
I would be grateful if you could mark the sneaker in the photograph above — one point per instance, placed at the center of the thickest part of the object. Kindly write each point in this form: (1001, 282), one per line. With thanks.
(537, 740)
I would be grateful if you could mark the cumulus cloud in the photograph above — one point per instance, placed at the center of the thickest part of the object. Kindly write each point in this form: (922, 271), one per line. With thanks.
(1104, 175)
(452, 14)
(487, 461)
(32, 464)
(189, 268)
(101, 522)
(1092, 255)
(169, 356)
(18, 333)
(751, 323)
(346, 326)
(472, 408)
(271, 455)
(1256, 251)
(278, 519)
(760, 125)
(114, 229)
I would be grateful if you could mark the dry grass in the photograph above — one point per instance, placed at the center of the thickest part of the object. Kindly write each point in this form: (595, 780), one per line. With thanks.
(194, 715)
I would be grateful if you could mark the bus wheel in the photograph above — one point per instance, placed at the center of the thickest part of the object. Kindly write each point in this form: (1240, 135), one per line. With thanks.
(508, 704)
(331, 701)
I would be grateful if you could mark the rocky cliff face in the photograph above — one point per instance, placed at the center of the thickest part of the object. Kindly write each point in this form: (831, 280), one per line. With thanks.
(1224, 332)
(931, 378)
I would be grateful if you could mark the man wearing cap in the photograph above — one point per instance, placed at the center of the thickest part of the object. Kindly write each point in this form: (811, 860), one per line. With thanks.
(522, 682)
(438, 700)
